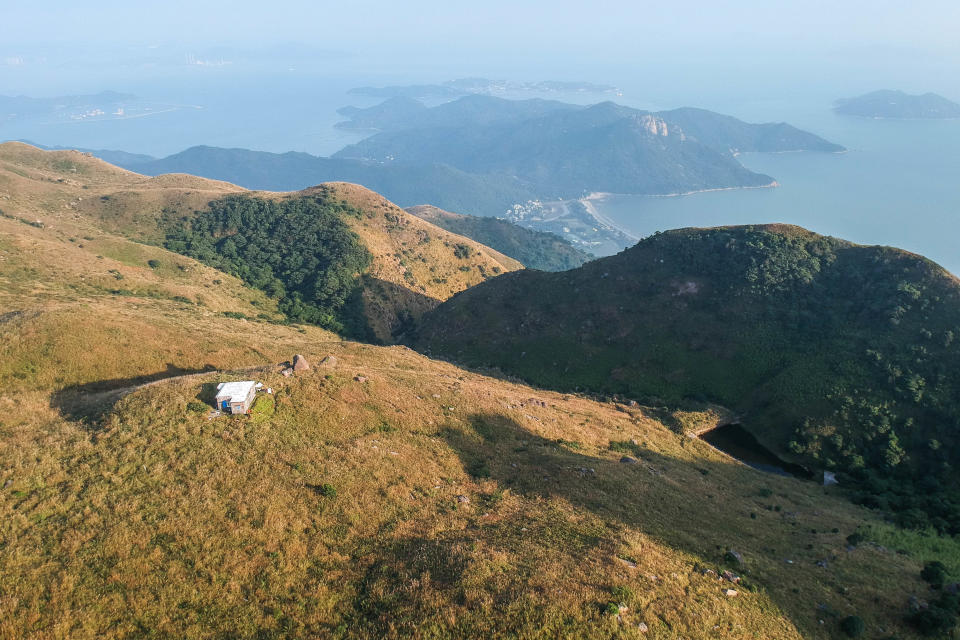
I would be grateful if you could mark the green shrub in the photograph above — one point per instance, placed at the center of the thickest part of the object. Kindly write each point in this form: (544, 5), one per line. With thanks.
(197, 407)
(327, 490)
(934, 573)
(933, 621)
(853, 626)
(479, 470)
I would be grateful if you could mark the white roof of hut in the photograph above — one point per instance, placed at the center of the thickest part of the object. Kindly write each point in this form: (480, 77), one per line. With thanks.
(239, 390)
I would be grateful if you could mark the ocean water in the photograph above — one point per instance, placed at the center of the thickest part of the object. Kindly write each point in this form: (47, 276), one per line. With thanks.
(898, 185)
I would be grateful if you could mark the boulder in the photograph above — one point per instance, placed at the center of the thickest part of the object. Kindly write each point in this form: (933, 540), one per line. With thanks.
(287, 372)
(733, 557)
(628, 460)
(329, 361)
(730, 593)
(463, 499)
(300, 363)
(642, 627)
(829, 478)
(360, 378)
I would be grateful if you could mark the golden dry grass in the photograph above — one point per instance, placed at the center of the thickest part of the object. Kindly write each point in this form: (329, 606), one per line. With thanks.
(389, 495)
(163, 521)
(414, 265)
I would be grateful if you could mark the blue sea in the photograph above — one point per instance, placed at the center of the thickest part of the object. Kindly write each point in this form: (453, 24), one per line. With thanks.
(899, 183)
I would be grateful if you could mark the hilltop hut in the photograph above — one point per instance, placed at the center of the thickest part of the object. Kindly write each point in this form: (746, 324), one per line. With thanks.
(236, 397)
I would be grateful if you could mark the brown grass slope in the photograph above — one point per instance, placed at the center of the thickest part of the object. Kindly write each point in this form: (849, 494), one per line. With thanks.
(414, 262)
(389, 495)
(160, 521)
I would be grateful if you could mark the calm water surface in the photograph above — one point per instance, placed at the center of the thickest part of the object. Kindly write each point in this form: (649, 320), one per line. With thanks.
(898, 185)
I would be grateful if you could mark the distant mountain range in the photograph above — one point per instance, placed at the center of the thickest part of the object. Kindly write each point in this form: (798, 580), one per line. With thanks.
(467, 86)
(560, 150)
(19, 106)
(897, 104)
(483, 155)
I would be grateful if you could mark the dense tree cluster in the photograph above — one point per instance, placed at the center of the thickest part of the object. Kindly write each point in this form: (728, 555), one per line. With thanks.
(843, 356)
(534, 249)
(298, 250)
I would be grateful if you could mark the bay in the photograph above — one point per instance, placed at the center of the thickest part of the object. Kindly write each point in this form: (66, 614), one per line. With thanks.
(898, 185)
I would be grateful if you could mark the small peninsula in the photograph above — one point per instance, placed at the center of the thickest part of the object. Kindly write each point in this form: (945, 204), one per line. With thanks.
(897, 104)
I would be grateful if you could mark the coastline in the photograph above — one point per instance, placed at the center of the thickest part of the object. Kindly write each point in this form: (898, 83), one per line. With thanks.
(601, 219)
(589, 205)
(602, 195)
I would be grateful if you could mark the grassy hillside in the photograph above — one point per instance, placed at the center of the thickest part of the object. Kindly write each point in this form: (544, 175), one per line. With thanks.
(420, 500)
(844, 357)
(379, 495)
(413, 263)
(535, 249)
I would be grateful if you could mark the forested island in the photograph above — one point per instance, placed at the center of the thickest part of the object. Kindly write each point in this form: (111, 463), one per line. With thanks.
(898, 104)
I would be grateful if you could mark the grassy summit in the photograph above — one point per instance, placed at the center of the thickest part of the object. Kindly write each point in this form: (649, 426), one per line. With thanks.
(842, 356)
(412, 264)
(382, 495)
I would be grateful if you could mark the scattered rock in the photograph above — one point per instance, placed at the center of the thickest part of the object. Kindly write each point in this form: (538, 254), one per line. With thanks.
(629, 563)
(463, 499)
(287, 372)
(360, 378)
(822, 564)
(632, 403)
(300, 363)
(329, 361)
(709, 572)
(729, 576)
(628, 460)
(634, 442)
(436, 395)
(642, 627)
(734, 557)
(730, 593)
(916, 604)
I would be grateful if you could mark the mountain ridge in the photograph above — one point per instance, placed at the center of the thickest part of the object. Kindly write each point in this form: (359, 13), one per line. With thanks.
(896, 104)
(845, 355)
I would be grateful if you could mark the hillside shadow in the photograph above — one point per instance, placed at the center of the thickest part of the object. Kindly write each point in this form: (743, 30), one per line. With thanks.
(90, 402)
(405, 306)
(703, 507)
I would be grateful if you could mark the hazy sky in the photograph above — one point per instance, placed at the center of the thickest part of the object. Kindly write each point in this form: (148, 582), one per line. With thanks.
(601, 26)
(57, 46)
